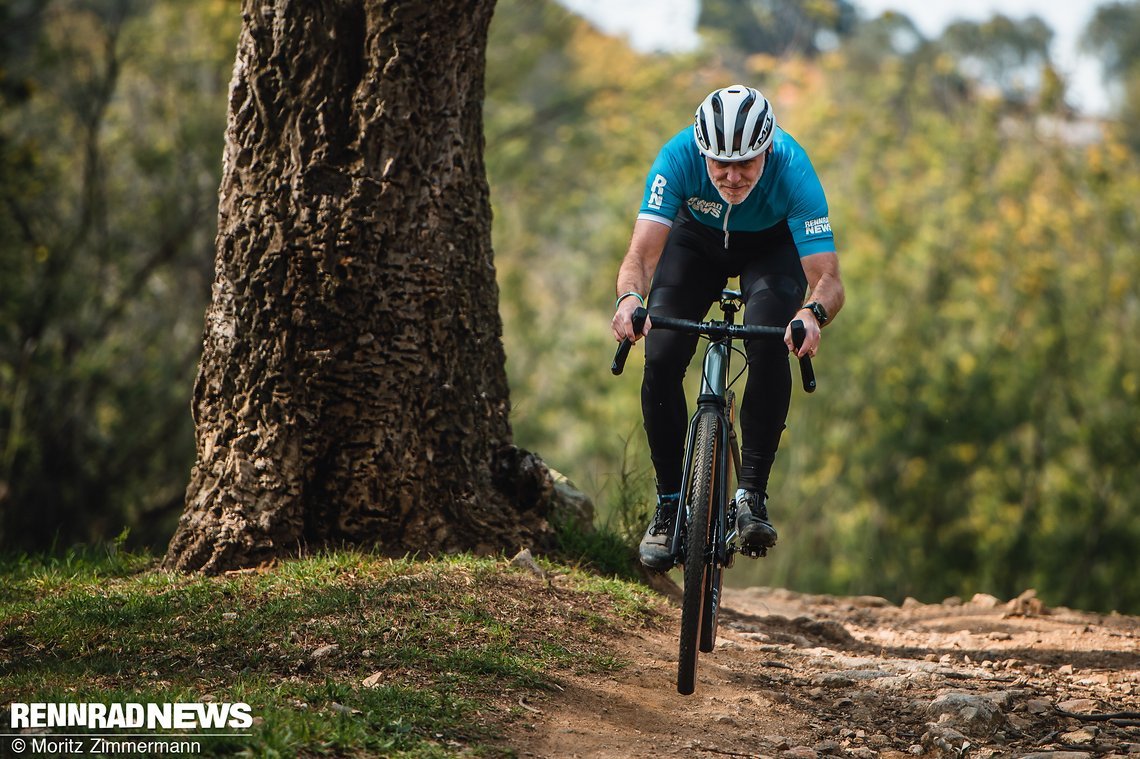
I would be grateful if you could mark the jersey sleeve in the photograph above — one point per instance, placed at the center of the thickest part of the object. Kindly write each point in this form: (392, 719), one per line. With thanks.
(808, 217)
(664, 186)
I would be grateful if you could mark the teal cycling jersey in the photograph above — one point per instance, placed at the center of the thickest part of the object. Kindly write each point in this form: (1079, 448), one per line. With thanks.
(788, 191)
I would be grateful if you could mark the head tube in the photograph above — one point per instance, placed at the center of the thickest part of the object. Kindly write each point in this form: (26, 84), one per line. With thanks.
(714, 374)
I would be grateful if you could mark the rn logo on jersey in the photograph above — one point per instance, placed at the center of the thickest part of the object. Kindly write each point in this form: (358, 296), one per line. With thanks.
(657, 191)
(817, 226)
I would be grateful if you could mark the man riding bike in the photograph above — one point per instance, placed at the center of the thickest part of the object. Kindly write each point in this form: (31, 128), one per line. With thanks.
(734, 195)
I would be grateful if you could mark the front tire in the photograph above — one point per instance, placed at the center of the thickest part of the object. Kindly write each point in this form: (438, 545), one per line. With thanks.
(710, 617)
(698, 564)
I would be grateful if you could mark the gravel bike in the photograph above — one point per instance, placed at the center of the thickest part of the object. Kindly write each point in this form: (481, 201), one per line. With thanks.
(704, 539)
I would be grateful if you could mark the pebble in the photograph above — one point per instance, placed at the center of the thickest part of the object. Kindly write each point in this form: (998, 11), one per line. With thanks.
(938, 737)
(878, 740)
(1082, 736)
(524, 559)
(1079, 705)
(800, 752)
(985, 600)
(324, 651)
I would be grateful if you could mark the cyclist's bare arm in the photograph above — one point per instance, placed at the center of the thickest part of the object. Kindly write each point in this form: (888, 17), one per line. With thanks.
(822, 271)
(636, 274)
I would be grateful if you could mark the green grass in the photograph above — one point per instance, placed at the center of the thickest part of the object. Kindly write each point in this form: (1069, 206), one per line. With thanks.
(455, 644)
(610, 546)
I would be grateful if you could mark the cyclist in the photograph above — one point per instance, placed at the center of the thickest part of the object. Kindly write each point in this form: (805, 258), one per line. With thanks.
(734, 195)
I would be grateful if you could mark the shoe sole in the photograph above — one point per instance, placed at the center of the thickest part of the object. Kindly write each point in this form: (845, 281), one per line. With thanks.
(756, 542)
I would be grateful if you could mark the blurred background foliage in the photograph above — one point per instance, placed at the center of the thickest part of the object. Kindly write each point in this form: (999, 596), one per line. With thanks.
(111, 128)
(978, 420)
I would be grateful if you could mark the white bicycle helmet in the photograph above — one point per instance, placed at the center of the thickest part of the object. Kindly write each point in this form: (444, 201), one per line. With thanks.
(734, 124)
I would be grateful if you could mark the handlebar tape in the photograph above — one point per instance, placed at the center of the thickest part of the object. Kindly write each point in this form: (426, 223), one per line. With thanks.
(622, 354)
(807, 373)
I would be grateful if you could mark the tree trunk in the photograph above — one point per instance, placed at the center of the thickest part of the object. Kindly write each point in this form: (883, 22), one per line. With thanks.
(352, 388)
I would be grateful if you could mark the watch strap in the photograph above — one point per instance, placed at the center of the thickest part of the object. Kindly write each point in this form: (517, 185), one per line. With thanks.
(817, 310)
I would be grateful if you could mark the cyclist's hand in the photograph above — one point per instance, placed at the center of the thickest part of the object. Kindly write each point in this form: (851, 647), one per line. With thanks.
(622, 323)
(811, 337)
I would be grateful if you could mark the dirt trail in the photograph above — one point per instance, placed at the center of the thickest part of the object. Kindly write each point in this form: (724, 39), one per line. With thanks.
(804, 676)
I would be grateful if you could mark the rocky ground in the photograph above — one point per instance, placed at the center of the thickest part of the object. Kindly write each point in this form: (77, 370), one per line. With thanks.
(812, 676)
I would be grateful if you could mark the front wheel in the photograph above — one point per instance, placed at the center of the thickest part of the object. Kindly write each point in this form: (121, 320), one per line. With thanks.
(710, 617)
(699, 579)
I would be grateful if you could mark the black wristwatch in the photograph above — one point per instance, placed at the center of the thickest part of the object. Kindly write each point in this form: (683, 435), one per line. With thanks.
(817, 310)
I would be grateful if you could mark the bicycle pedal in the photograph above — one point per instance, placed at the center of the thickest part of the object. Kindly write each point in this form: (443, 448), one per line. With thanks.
(754, 552)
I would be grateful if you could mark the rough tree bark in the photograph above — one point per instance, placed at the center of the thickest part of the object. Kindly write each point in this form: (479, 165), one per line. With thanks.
(352, 385)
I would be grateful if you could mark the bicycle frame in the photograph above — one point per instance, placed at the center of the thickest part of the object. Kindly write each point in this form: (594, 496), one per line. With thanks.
(714, 397)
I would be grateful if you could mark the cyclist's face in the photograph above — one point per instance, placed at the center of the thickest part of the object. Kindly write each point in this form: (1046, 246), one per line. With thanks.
(735, 179)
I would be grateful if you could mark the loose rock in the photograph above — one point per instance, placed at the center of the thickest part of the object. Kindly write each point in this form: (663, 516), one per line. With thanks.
(800, 752)
(977, 715)
(525, 560)
(1079, 705)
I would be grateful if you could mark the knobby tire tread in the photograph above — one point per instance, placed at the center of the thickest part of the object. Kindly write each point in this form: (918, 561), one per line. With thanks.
(701, 489)
(714, 574)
